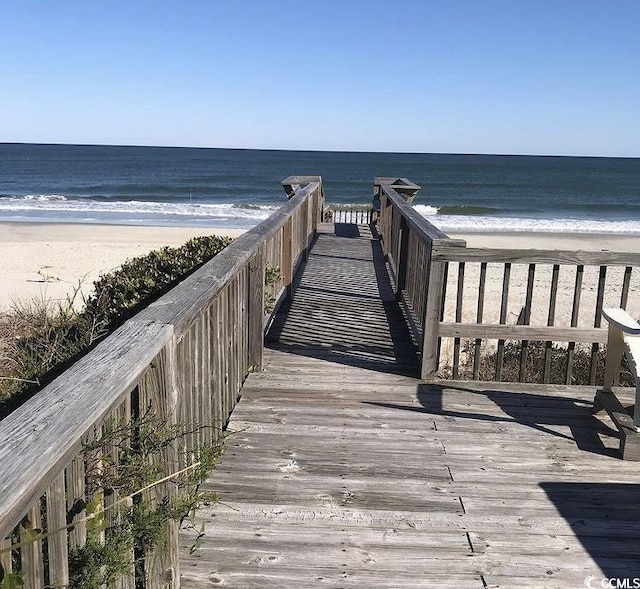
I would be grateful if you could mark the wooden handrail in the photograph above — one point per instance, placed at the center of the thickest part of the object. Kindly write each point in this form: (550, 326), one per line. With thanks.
(184, 357)
(187, 300)
(444, 252)
(42, 436)
(408, 241)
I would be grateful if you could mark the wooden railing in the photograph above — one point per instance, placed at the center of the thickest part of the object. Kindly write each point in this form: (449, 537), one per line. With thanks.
(178, 365)
(443, 285)
(408, 241)
(545, 296)
(334, 213)
(358, 214)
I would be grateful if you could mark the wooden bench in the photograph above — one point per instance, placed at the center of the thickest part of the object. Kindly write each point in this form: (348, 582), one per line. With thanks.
(623, 338)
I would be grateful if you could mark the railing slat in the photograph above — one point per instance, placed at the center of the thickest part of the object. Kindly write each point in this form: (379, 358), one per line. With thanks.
(504, 302)
(527, 319)
(575, 314)
(479, 314)
(597, 322)
(76, 496)
(6, 555)
(553, 298)
(57, 547)
(626, 282)
(226, 352)
(207, 381)
(459, 301)
(31, 561)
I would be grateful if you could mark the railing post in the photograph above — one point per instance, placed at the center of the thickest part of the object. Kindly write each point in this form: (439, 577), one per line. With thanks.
(431, 322)
(403, 254)
(382, 219)
(256, 309)
(319, 205)
(287, 254)
(307, 229)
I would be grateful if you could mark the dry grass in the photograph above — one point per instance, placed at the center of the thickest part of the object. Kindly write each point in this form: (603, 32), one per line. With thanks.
(36, 335)
(538, 355)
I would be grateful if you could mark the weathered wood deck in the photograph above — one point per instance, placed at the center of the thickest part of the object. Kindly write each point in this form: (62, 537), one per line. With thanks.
(345, 470)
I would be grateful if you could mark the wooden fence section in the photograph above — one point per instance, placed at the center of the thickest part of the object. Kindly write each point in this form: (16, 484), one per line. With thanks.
(360, 215)
(177, 367)
(444, 285)
(544, 297)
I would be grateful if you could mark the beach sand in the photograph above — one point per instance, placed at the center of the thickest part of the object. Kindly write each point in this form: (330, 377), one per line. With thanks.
(554, 241)
(50, 261)
(542, 284)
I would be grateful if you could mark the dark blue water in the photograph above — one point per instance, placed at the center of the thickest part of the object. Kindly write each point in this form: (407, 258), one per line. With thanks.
(237, 188)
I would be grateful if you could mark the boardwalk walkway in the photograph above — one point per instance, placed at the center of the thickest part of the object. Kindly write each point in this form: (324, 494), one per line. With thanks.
(344, 470)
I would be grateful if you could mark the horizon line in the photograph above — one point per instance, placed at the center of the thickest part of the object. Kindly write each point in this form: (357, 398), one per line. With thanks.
(462, 153)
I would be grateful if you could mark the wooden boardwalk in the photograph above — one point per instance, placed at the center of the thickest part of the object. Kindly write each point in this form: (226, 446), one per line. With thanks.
(344, 470)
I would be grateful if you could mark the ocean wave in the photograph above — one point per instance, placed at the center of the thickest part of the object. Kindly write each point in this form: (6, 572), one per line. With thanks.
(30, 198)
(255, 207)
(478, 224)
(57, 207)
(426, 210)
(58, 204)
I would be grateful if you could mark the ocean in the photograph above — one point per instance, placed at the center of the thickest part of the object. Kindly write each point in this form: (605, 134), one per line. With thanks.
(238, 188)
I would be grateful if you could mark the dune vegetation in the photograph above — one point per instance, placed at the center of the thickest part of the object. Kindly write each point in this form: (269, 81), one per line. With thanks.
(40, 338)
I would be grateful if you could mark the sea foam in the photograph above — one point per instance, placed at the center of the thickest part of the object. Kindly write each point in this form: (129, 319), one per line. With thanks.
(58, 207)
(61, 206)
(461, 223)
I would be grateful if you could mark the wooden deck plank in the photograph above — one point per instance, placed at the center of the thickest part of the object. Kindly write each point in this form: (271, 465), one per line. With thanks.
(344, 470)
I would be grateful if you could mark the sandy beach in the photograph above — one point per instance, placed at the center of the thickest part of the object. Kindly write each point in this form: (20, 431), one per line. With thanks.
(50, 260)
(558, 241)
(541, 291)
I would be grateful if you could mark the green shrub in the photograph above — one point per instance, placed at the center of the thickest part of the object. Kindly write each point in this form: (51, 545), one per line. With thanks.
(122, 293)
(38, 340)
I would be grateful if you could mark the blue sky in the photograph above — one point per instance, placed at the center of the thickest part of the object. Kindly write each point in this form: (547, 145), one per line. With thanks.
(483, 76)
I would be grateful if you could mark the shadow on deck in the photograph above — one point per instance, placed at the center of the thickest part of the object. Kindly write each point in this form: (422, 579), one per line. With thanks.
(343, 470)
(344, 309)
(543, 412)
